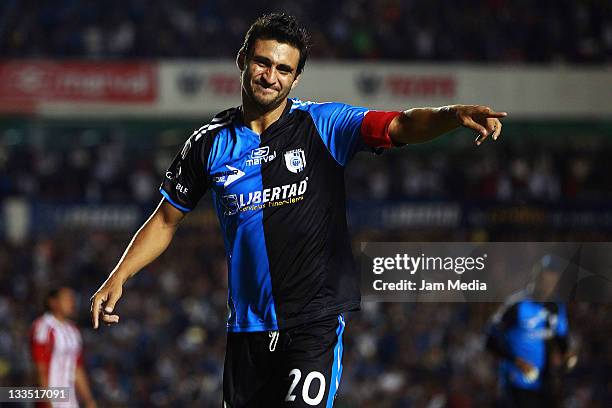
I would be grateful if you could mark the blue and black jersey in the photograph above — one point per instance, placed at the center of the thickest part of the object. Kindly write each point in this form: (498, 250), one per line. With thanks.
(530, 330)
(280, 200)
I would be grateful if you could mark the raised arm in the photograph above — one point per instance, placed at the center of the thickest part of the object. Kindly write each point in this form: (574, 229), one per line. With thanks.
(150, 241)
(423, 124)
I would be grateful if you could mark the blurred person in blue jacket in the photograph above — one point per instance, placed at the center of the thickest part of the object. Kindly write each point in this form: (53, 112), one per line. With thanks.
(530, 336)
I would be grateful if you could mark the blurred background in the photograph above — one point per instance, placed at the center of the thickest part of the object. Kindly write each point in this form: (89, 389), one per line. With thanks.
(96, 98)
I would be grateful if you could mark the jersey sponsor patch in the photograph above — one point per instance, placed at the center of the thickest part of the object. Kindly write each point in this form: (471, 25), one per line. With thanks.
(266, 198)
(260, 155)
(230, 204)
(171, 176)
(227, 177)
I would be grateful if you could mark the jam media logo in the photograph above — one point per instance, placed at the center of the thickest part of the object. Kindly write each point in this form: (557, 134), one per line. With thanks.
(230, 204)
(295, 160)
(260, 155)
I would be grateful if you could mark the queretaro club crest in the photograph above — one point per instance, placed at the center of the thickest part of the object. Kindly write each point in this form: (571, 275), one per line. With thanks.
(295, 160)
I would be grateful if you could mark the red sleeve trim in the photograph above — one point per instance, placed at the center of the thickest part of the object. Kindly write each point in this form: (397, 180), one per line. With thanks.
(41, 351)
(375, 128)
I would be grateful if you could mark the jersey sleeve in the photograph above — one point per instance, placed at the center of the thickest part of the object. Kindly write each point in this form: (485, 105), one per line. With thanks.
(347, 129)
(80, 359)
(562, 324)
(41, 343)
(562, 329)
(504, 320)
(187, 180)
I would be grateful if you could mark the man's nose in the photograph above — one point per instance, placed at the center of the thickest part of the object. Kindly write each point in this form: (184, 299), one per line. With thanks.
(269, 75)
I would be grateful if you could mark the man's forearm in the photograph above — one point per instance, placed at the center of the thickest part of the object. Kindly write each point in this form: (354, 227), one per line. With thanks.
(150, 241)
(420, 125)
(41, 375)
(82, 386)
(42, 380)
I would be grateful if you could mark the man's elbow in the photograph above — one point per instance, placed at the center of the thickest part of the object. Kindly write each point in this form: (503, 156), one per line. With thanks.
(399, 129)
(168, 215)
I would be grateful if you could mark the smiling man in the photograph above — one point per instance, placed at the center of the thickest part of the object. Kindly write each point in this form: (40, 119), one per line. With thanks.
(275, 167)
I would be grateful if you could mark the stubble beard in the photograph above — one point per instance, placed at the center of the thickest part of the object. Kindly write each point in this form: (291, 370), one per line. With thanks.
(261, 102)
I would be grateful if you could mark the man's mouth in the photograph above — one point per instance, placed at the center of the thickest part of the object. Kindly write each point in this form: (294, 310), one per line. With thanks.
(266, 89)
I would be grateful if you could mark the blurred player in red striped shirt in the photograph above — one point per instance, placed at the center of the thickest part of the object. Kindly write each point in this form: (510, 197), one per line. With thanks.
(57, 349)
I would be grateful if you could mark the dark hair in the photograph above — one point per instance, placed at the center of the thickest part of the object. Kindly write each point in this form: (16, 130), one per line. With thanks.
(52, 293)
(283, 28)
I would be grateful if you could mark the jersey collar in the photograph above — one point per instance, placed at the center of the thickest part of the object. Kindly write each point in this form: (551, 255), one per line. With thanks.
(273, 126)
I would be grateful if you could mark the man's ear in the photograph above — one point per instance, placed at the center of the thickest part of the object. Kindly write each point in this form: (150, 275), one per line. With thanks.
(241, 60)
(295, 82)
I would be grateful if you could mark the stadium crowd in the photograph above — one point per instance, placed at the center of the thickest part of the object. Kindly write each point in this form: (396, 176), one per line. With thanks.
(109, 170)
(168, 349)
(424, 30)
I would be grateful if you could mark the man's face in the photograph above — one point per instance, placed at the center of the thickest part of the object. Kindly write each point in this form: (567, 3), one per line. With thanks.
(547, 284)
(270, 72)
(64, 303)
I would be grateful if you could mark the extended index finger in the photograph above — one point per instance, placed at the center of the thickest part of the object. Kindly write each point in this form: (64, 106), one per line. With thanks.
(490, 113)
(494, 114)
(96, 306)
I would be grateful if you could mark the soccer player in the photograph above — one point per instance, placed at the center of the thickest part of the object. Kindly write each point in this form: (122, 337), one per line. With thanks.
(275, 167)
(530, 336)
(57, 349)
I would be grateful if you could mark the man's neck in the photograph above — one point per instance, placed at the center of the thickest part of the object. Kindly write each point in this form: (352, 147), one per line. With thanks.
(257, 119)
(58, 317)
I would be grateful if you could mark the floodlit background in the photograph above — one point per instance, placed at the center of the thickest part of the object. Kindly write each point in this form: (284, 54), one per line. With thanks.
(96, 98)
